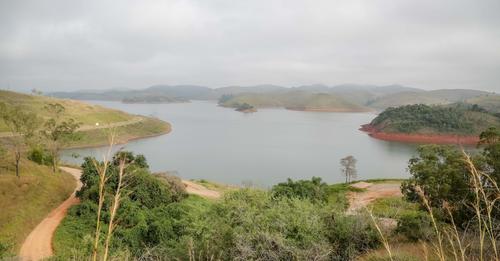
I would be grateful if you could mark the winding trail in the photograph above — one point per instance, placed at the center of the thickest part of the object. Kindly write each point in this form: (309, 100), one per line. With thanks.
(38, 244)
(92, 127)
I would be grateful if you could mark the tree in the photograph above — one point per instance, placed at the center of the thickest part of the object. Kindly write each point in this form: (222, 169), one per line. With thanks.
(490, 140)
(58, 132)
(349, 168)
(22, 126)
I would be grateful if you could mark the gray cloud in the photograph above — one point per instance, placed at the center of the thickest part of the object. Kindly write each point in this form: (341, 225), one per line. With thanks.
(57, 45)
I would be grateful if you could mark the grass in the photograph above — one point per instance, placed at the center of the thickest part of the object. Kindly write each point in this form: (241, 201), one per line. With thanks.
(392, 207)
(25, 201)
(82, 112)
(149, 127)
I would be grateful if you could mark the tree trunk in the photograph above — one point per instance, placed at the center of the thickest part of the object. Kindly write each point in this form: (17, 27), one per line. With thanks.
(18, 158)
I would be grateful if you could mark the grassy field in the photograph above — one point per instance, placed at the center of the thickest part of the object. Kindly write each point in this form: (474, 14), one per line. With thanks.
(296, 100)
(25, 201)
(148, 127)
(88, 115)
(82, 112)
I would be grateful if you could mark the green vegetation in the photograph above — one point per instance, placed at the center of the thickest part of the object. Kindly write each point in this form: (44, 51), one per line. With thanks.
(393, 207)
(71, 115)
(424, 119)
(295, 100)
(489, 102)
(26, 200)
(148, 127)
(81, 112)
(291, 222)
(245, 107)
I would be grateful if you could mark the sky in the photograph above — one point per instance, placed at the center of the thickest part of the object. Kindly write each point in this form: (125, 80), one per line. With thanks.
(98, 44)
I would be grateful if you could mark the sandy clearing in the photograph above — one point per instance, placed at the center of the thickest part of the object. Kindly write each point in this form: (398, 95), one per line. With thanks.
(359, 200)
(197, 189)
(38, 244)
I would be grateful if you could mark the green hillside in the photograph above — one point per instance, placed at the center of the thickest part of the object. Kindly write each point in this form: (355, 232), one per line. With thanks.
(424, 119)
(37, 190)
(295, 100)
(127, 126)
(436, 97)
(488, 102)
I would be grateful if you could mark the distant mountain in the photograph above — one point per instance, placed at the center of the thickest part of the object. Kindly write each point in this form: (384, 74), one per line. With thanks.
(373, 96)
(490, 102)
(435, 97)
(294, 100)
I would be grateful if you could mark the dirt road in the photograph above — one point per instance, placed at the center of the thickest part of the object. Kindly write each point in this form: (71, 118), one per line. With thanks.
(93, 127)
(38, 244)
(359, 200)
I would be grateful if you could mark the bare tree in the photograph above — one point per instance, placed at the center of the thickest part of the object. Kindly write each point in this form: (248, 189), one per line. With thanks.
(22, 126)
(349, 168)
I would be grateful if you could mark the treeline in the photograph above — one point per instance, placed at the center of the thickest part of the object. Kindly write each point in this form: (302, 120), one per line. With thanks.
(458, 119)
(41, 139)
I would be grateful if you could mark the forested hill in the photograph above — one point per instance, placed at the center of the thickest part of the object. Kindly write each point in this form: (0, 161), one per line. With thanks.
(460, 119)
(294, 100)
(93, 120)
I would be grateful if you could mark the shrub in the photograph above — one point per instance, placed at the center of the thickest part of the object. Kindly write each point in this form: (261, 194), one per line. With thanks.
(314, 189)
(350, 235)
(415, 226)
(40, 156)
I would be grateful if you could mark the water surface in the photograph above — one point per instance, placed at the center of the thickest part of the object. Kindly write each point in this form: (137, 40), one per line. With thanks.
(267, 147)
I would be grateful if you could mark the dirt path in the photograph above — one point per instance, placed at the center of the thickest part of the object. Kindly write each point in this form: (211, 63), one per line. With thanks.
(38, 244)
(359, 200)
(93, 127)
(197, 189)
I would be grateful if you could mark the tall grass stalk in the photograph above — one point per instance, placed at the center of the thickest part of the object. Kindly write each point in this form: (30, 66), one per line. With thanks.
(103, 178)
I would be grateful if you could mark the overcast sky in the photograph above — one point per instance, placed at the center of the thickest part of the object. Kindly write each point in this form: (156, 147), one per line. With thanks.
(96, 44)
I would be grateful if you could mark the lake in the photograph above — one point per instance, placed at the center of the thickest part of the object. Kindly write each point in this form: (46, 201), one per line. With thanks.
(264, 148)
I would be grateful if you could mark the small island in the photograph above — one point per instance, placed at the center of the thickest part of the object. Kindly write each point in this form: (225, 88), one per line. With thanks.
(446, 124)
(245, 108)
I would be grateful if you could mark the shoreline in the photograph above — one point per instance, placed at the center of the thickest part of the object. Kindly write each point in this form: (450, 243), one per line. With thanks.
(419, 138)
(119, 142)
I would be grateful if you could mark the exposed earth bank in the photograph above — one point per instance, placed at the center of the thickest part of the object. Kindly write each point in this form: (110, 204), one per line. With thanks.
(419, 138)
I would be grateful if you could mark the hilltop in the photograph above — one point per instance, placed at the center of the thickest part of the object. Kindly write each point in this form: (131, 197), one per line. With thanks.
(457, 123)
(294, 100)
(435, 97)
(377, 97)
(127, 126)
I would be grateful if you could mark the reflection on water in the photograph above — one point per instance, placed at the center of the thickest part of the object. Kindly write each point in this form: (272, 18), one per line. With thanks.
(266, 147)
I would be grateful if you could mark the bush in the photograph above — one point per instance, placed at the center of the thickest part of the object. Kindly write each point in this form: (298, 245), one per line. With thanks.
(415, 226)
(314, 189)
(40, 156)
(351, 235)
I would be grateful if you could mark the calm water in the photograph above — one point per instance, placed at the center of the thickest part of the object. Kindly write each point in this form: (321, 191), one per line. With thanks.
(219, 144)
